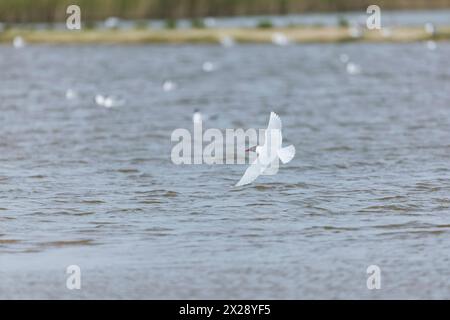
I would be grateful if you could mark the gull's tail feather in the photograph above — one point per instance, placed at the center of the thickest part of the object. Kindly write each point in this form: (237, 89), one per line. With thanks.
(286, 154)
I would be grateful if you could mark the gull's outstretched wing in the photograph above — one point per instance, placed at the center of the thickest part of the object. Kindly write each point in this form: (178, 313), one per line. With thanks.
(274, 122)
(286, 154)
(250, 174)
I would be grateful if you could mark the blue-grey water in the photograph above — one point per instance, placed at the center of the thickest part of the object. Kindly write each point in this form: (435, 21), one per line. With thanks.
(85, 185)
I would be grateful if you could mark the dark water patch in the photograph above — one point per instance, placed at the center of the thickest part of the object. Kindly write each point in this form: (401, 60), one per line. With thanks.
(73, 212)
(158, 229)
(128, 170)
(411, 225)
(170, 194)
(389, 198)
(425, 186)
(125, 210)
(251, 235)
(300, 185)
(442, 200)
(5, 218)
(262, 218)
(84, 213)
(390, 208)
(93, 201)
(263, 187)
(151, 201)
(39, 176)
(337, 148)
(413, 234)
(67, 243)
(140, 160)
(102, 223)
(332, 229)
(259, 204)
(9, 241)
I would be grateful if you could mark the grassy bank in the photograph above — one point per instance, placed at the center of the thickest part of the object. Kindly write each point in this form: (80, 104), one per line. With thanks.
(298, 34)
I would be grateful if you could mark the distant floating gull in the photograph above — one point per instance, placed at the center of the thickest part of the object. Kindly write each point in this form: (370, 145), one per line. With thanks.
(431, 45)
(99, 99)
(344, 57)
(111, 22)
(227, 41)
(386, 32)
(169, 85)
(18, 42)
(430, 28)
(280, 39)
(107, 101)
(71, 94)
(197, 117)
(209, 22)
(353, 68)
(355, 31)
(208, 66)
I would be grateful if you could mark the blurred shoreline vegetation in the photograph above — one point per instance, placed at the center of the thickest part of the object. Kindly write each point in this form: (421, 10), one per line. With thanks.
(17, 11)
(265, 24)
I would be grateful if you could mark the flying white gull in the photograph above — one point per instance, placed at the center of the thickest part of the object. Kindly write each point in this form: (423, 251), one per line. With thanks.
(269, 153)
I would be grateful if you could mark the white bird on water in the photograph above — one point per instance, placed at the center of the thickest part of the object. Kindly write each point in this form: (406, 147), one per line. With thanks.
(227, 41)
(169, 85)
(208, 66)
(431, 45)
(269, 153)
(386, 32)
(18, 42)
(355, 31)
(197, 117)
(107, 101)
(280, 39)
(71, 94)
(344, 57)
(111, 23)
(430, 28)
(353, 68)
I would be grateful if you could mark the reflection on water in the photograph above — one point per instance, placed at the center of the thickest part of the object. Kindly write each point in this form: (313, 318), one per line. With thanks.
(93, 186)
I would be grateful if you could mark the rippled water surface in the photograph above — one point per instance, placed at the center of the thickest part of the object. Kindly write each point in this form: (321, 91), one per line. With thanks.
(95, 187)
